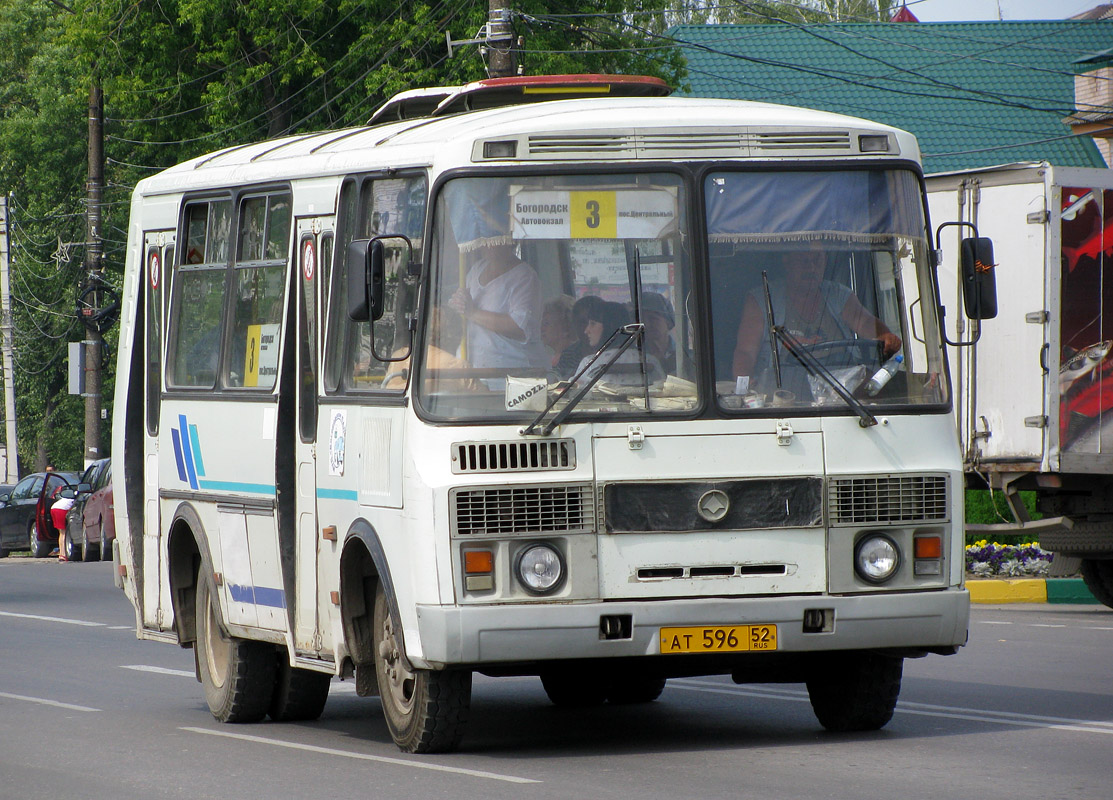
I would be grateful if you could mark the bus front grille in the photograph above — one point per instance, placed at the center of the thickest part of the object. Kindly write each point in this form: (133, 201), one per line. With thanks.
(514, 510)
(518, 456)
(888, 499)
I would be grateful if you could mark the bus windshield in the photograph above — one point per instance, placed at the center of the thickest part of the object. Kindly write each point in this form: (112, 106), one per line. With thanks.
(533, 277)
(836, 261)
(539, 282)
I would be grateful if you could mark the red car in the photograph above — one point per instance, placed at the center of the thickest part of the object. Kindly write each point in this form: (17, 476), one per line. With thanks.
(90, 522)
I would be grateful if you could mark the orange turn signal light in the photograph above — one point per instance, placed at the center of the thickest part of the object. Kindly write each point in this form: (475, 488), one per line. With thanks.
(928, 547)
(479, 562)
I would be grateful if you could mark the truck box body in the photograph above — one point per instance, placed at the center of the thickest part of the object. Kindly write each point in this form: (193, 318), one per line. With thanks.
(1035, 393)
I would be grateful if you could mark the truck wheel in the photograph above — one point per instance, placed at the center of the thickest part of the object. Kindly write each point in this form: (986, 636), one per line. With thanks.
(576, 688)
(70, 547)
(299, 694)
(1098, 575)
(38, 549)
(855, 691)
(238, 675)
(425, 710)
(636, 690)
(1087, 538)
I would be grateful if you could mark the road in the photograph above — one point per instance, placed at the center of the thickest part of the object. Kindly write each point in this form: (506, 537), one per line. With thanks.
(87, 711)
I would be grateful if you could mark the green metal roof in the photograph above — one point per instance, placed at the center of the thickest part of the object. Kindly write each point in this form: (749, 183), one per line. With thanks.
(974, 93)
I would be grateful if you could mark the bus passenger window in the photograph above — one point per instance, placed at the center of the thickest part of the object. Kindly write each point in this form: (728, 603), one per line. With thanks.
(258, 291)
(198, 286)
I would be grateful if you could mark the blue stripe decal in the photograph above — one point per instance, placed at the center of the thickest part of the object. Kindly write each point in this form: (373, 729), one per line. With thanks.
(196, 450)
(183, 426)
(242, 594)
(265, 596)
(233, 486)
(178, 454)
(338, 494)
(258, 595)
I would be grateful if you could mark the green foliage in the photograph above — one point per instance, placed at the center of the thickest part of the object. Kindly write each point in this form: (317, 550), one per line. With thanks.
(989, 508)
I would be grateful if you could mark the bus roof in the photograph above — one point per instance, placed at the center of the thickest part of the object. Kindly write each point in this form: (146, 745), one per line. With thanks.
(498, 92)
(591, 129)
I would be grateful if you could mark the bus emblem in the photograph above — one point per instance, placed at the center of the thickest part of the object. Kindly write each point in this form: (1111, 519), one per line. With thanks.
(713, 505)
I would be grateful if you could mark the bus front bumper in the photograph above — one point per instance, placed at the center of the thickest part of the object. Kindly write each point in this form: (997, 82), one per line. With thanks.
(477, 635)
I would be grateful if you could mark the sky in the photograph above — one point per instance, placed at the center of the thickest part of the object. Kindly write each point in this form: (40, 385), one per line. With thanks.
(974, 10)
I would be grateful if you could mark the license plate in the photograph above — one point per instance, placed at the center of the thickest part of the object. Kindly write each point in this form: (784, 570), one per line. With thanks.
(719, 639)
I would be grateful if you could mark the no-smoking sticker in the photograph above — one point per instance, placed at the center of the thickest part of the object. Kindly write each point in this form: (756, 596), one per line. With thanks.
(154, 268)
(308, 259)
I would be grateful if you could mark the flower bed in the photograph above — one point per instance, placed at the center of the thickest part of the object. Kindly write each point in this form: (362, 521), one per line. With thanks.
(986, 559)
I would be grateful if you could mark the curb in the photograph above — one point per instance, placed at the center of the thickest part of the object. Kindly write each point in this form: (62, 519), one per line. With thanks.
(1030, 590)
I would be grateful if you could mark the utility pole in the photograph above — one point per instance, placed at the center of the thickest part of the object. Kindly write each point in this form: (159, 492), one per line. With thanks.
(11, 444)
(94, 265)
(500, 40)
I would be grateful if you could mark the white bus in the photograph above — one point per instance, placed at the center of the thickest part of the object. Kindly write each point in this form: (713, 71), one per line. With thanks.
(575, 389)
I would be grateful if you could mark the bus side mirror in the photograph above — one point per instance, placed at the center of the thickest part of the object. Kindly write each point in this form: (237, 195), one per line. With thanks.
(979, 281)
(365, 265)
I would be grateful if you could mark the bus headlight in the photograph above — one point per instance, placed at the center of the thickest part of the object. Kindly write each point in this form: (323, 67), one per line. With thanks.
(876, 559)
(540, 569)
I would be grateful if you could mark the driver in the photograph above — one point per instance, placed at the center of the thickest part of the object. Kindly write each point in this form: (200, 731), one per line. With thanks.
(810, 308)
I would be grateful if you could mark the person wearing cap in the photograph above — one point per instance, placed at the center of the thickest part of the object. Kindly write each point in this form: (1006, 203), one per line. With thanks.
(659, 320)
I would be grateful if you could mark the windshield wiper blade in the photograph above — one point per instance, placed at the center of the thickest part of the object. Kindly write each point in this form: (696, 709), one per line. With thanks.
(813, 366)
(632, 332)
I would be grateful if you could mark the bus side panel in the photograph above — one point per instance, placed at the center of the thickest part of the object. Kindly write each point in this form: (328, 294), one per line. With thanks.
(223, 454)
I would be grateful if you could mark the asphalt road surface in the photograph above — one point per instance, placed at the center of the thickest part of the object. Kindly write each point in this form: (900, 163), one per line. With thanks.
(87, 711)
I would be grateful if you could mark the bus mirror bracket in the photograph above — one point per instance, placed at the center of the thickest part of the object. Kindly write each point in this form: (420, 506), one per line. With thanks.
(979, 281)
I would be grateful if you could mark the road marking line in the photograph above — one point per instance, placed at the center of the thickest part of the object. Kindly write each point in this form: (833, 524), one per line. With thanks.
(922, 709)
(45, 702)
(400, 762)
(159, 670)
(53, 619)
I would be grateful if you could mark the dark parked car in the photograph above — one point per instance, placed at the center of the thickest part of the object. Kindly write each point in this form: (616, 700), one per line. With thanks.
(22, 525)
(90, 524)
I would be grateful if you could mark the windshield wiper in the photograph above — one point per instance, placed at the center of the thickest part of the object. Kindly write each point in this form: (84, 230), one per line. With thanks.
(810, 362)
(814, 367)
(632, 332)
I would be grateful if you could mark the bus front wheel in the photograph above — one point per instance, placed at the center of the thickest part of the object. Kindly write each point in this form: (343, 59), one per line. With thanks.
(425, 710)
(855, 691)
(238, 675)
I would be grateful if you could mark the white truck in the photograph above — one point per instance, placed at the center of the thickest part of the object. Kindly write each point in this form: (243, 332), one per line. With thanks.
(1034, 386)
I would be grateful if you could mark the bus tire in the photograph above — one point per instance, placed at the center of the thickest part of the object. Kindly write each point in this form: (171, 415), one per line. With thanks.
(635, 690)
(575, 688)
(238, 675)
(299, 694)
(425, 710)
(855, 691)
(1098, 576)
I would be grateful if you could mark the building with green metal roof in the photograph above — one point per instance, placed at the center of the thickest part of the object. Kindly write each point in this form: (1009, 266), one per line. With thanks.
(974, 93)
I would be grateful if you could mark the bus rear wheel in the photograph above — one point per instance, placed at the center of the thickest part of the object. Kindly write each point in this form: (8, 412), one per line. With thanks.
(425, 710)
(299, 694)
(855, 691)
(238, 675)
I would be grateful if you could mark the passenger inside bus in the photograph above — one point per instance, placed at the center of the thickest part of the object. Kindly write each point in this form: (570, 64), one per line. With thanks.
(558, 335)
(814, 311)
(603, 319)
